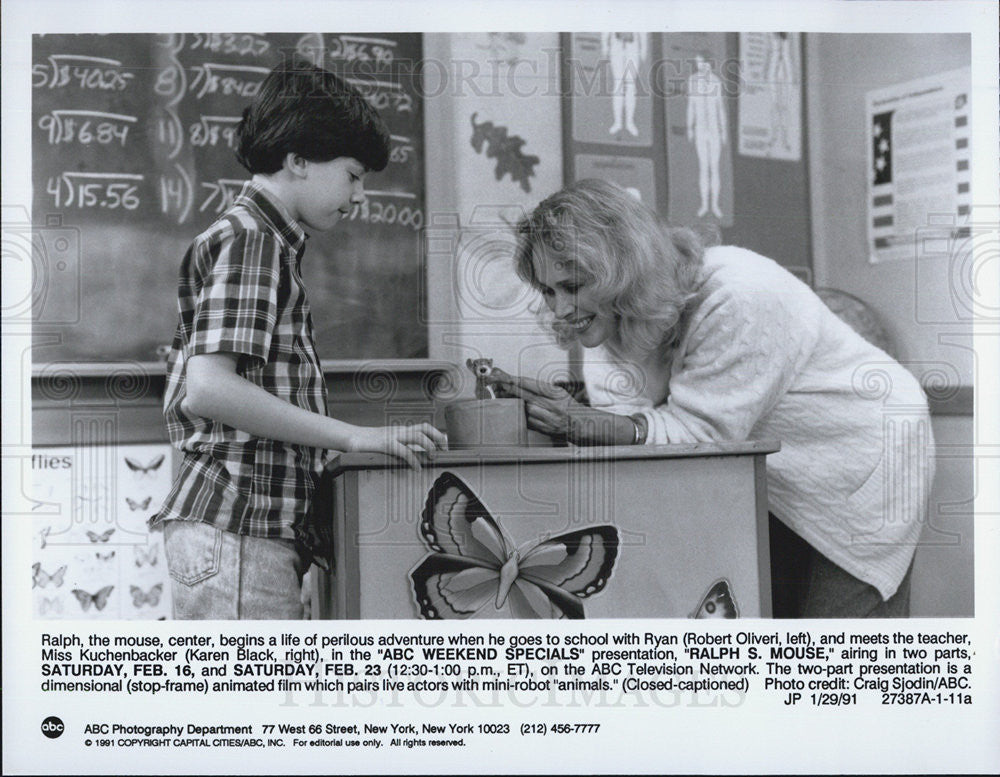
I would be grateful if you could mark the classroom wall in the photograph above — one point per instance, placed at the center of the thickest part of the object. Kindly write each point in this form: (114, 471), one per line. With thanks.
(476, 305)
(840, 70)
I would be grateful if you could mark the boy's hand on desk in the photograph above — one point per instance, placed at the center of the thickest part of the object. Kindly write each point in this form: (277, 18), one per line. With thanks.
(404, 442)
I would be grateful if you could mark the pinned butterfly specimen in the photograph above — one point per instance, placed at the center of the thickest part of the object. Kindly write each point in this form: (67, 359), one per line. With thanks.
(145, 556)
(47, 605)
(718, 602)
(99, 599)
(133, 505)
(150, 597)
(41, 579)
(38, 503)
(105, 556)
(92, 498)
(43, 535)
(142, 470)
(102, 537)
(474, 570)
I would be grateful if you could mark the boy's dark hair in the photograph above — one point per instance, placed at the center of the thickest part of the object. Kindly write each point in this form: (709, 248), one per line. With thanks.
(306, 110)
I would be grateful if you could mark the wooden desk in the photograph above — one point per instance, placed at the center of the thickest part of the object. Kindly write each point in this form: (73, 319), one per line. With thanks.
(687, 517)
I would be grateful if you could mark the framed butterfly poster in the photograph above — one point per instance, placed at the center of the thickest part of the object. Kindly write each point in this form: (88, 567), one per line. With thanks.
(672, 531)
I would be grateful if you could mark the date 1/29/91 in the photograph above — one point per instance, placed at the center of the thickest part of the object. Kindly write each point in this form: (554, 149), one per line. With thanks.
(848, 699)
(559, 728)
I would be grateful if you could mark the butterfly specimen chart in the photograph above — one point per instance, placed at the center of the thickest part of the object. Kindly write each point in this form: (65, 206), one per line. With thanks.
(541, 533)
(93, 554)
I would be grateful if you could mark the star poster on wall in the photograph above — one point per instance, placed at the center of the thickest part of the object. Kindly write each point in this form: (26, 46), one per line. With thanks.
(882, 148)
(918, 173)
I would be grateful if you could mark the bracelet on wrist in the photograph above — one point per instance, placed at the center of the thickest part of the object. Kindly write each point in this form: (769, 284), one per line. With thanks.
(639, 423)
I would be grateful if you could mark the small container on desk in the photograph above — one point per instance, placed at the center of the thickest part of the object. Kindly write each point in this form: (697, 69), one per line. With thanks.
(639, 531)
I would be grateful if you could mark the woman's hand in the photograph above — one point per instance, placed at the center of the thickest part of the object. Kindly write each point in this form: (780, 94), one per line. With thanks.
(553, 411)
(404, 442)
(548, 407)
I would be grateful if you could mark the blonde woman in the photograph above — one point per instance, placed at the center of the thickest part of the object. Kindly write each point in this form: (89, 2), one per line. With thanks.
(720, 344)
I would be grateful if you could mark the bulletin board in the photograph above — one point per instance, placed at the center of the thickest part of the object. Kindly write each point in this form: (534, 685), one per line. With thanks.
(132, 157)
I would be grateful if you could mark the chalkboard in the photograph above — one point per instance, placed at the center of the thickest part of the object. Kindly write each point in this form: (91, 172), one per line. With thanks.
(132, 156)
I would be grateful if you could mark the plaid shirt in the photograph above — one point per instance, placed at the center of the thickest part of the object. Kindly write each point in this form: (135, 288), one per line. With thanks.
(240, 292)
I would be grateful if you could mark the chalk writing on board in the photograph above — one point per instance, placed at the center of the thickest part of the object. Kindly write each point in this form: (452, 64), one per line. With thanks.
(230, 43)
(169, 131)
(400, 149)
(213, 130)
(360, 48)
(80, 70)
(176, 194)
(383, 95)
(373, 211)
(134, 138)
(221, 192)
(171, 82)
(66, 126)
(95, 190)
(237, 80)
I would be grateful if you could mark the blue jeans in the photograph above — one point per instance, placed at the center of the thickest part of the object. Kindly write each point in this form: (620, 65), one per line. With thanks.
(218, 575)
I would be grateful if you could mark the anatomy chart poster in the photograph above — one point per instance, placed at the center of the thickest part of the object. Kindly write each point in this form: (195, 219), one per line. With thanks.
(699, 148)
(770, 124)
(612, 70)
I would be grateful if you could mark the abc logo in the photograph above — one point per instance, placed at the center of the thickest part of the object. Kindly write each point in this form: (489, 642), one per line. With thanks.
(52, 727)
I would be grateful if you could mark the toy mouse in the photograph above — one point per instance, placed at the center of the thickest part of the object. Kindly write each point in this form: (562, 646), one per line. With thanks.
(487, 376)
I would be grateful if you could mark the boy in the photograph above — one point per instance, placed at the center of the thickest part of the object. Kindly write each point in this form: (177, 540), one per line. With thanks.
(245, 397)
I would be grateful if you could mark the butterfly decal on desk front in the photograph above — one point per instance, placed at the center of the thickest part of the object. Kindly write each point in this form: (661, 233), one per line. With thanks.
(718, 602)
(474, 570)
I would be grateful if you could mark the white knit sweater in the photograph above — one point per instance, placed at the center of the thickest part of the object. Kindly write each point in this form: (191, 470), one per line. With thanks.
(761, 357)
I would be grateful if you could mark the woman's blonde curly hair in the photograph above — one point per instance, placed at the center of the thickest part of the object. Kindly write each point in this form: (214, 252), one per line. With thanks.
(641, 272)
